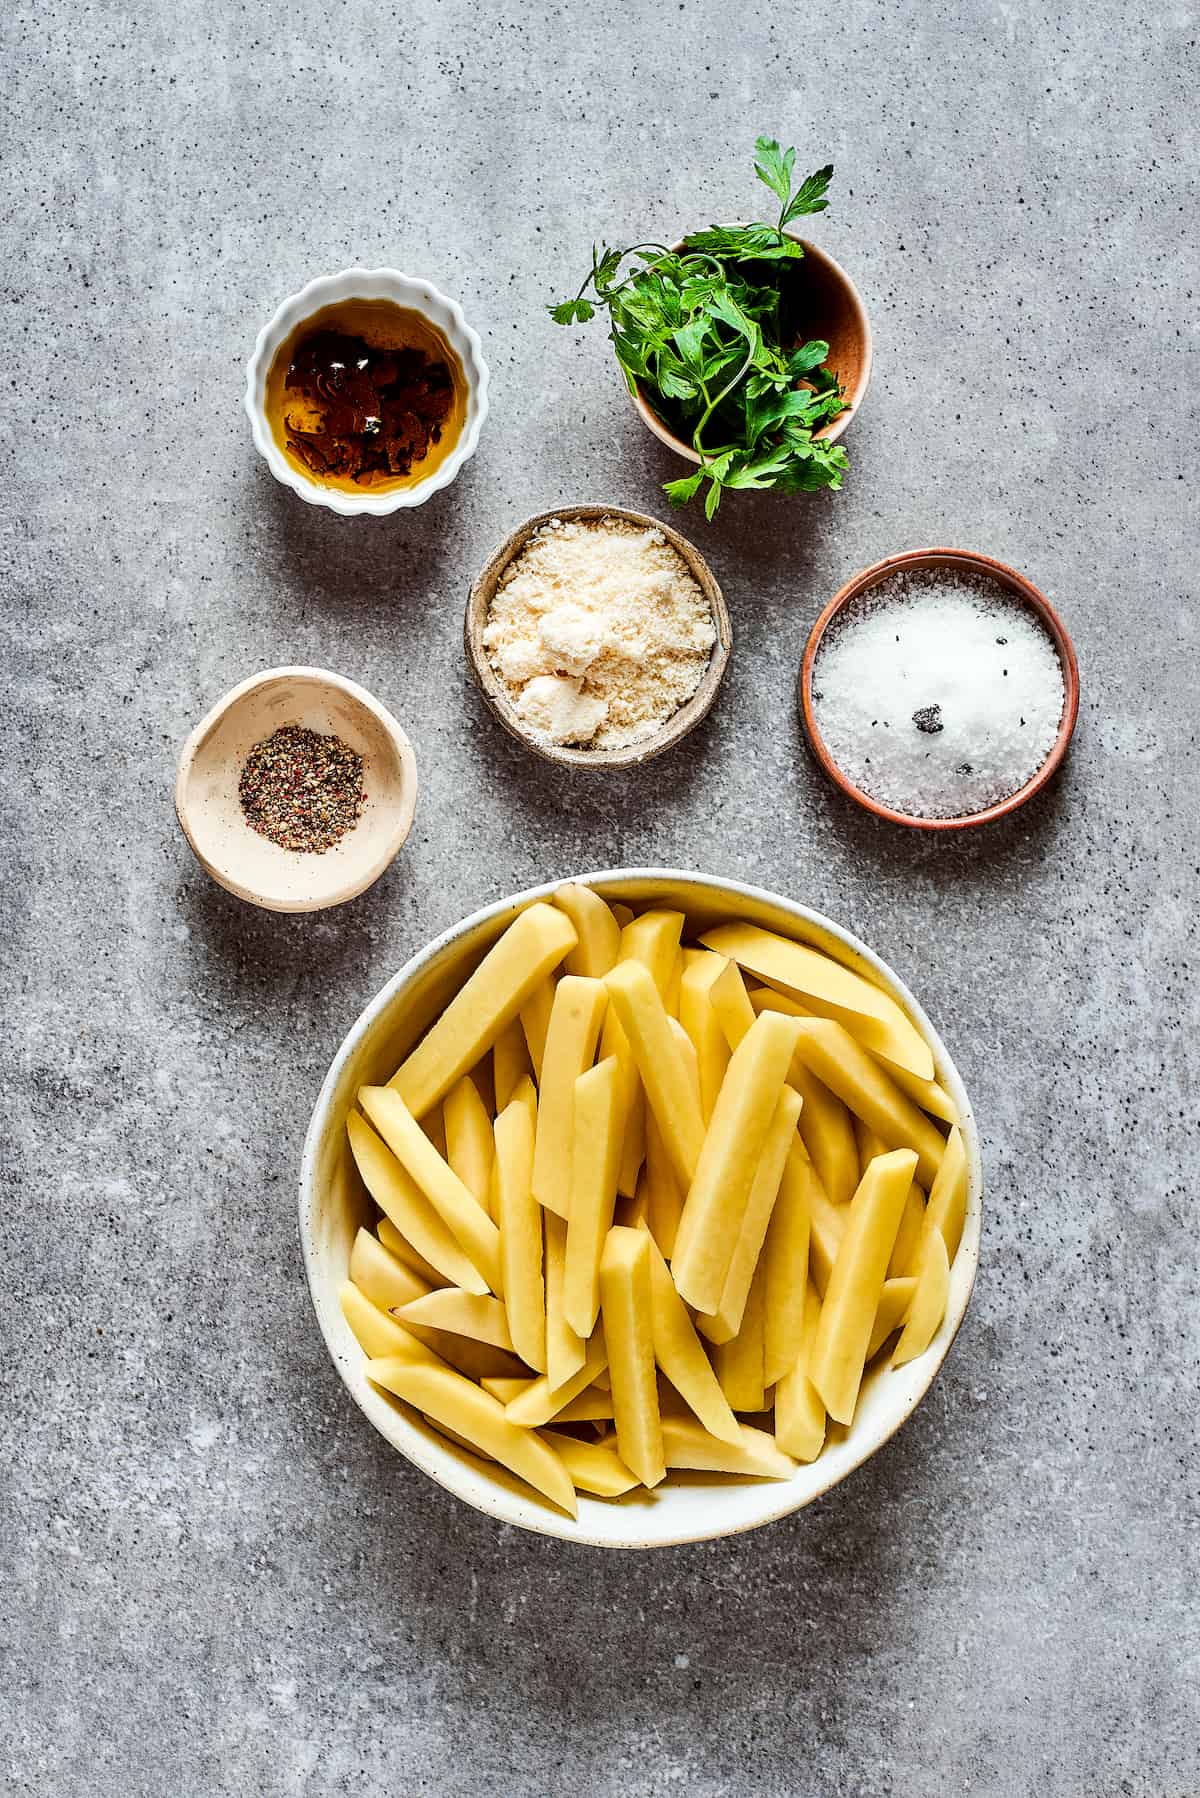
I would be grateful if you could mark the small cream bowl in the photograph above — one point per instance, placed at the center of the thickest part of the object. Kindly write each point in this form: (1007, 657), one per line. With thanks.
(415, 295)
(333, 1205)
(210, 814)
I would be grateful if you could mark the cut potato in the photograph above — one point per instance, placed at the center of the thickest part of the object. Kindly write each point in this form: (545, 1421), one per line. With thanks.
(532, 947)
(660, 1191)
(764, 1190)
(930, 1095)
(799, 1413)
(741, 1362)
(824, 986)
(786, 1251)
(908, 1236)
(403, 1250)
(947, 1209)
(376, 1332)
(535, 1023)
(541, 1401)
(687, 1444)
(396, 1193)
(510, 1063)
(593, 1466)
(480, 1317)
(928, 1301)
(868, 1144)
(652, 940)
(698, 1016)
(459, 1405)
(665, 1076)
(716, 1199)
(576, 1014)
(731, 1002)
(595, 1163)
(470, 1225)
(680, 1353)
(894, 1302)
(614, 1042)
(839, 1351)
(597, 930)
(832, 1054)
(520, 1223)
(828, 1128)
(565, 1351)
(625, 1302)
(469, 1144)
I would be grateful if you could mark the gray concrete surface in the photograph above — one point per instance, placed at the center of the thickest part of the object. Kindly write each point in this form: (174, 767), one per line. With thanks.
(217, 1579)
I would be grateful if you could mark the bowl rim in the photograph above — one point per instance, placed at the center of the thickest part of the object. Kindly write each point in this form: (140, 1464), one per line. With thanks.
(828, 433)
(972, 561)
(390, 844)
(679, 725)
(415, 294)
(493, 1500)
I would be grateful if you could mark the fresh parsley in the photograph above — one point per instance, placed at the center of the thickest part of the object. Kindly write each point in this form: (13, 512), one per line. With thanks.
(710, 332)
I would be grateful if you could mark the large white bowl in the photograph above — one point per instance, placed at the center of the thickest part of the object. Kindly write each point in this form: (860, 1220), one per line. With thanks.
(333, 1203)
(415, 295)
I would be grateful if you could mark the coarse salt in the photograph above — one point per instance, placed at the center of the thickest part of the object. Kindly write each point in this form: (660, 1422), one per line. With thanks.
(599, 632)
(937, 693)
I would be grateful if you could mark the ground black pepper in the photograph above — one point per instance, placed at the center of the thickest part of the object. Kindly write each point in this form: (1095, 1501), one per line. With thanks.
(302, 790)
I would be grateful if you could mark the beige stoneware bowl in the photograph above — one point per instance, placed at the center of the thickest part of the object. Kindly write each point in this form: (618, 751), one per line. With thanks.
(210, 813)
(333, 1204)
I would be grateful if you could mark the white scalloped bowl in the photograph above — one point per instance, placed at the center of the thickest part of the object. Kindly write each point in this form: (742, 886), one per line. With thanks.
(333, 1204)
(416, 295)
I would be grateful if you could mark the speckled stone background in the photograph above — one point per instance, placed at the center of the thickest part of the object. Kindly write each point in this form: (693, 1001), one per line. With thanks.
(217, 1578)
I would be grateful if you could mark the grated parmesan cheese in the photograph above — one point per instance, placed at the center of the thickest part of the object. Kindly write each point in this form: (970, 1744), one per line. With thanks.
(599, 632)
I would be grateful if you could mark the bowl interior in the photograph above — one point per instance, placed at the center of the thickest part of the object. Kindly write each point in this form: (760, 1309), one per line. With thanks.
(333, 1204)
(969, 562)
(677, 725)
(248, 863)
(835, 312)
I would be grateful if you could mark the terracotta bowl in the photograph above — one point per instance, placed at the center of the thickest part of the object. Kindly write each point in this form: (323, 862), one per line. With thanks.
(839, 317)
(490, 685)
(967, 562)
(210, 813)
(334, 1204)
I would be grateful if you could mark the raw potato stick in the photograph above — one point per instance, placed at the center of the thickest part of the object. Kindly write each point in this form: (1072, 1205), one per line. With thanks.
(680, 1353)
(459, 1405)
(565, 1351)
(462, 1313)
(403, 1250)
(731, 1002)
(894, 1303)
(597, 929)
(687, 1444)
(929, 1300)
(740, 1363)
(908, 1236)
(698, 1017)
(839, 1352)
(930, 1095)
(717, 1197)
(664, 1074)
(471, 1226)
(595, 1163)
(574, 1029)
(660, 1190)
(385, 1280)
(827, 1226)
(826, 987)
(520, 1220)
(469, 1144)
(532, 947)
(947, 1207)
(832, 1054)
(594, 1466)
(375, 1331)
(653, 941)
(613, 1041)
(786, 1255)
(799, 1413)
(541, 1401)
(535, 1022)
(510, 1063)
(396, 1193)
(628, 1329)
(724, 1325)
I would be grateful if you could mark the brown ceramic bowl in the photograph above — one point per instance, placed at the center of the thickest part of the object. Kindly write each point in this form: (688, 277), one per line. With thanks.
(839, 317)
(967, 562)
(492, 687)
